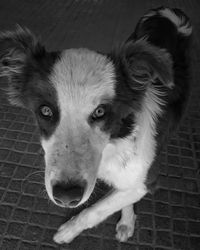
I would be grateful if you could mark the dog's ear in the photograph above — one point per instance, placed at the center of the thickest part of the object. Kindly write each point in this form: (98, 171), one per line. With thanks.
(17, 49)
(144, 63)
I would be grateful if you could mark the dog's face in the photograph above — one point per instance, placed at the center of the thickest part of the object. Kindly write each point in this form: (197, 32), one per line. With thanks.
(82, 101)
(84, 86)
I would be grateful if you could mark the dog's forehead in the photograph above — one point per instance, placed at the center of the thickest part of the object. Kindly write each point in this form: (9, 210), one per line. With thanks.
(82, 79)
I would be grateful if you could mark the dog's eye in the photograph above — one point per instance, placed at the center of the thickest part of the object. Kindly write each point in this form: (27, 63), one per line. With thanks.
(99, 112)
(46, 112)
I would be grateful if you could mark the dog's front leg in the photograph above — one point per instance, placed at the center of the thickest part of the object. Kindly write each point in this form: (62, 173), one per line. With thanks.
(126, 225)
(92, 216)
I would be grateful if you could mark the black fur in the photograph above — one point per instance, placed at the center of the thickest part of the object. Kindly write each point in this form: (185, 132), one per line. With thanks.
(28, 65)
(136, 64)
(161, 32)
(158, 30)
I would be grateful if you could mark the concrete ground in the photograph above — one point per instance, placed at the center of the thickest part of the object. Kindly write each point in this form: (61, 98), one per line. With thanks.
(169, 219)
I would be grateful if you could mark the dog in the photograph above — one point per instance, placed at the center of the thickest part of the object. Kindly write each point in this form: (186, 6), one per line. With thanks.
(102, 116)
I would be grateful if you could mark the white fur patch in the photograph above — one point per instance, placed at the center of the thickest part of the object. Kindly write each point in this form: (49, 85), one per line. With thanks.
(82, 78)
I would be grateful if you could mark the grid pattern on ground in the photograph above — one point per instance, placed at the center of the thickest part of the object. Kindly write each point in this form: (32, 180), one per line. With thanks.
(169, 219)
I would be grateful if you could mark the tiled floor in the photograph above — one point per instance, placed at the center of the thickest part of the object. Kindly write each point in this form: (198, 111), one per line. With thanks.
(170, 219)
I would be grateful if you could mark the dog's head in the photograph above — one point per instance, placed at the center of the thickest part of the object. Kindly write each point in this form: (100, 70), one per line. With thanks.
(82, 100)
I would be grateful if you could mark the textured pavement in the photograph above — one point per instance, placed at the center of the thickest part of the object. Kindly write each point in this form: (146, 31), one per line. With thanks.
(169, 219)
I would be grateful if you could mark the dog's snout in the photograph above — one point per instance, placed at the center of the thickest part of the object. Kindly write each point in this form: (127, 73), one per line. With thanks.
(68, 194)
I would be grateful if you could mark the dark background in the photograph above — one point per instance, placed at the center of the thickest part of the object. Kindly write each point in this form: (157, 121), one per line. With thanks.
(169, 219)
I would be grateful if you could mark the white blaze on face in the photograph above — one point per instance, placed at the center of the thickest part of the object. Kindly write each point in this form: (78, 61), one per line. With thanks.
(83, 79)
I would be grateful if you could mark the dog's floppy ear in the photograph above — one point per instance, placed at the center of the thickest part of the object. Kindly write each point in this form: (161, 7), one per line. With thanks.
(145, 63)
(17, 49)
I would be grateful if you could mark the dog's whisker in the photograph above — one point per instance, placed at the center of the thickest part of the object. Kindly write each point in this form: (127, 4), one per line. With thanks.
(28, 176)
(43, 193)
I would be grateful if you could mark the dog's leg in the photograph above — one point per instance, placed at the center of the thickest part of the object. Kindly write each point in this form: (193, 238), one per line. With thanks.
(92, 216)
(125, 226)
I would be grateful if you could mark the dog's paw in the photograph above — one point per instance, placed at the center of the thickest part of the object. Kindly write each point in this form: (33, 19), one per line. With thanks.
(67, 232)
(125, 229)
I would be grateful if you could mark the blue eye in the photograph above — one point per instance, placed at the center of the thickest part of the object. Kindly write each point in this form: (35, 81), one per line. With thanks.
(99, 112)
(46, 112)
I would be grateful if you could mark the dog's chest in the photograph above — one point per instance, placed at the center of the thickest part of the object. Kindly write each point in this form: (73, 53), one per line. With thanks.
(126, 167)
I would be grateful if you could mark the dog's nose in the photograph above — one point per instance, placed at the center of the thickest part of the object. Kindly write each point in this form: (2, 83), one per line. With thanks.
(68, 194)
